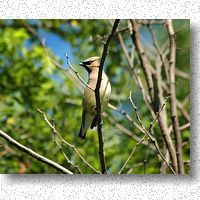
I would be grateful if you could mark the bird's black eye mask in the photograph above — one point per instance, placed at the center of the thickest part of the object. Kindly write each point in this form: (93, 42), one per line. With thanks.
(85, 65)
(88, 62)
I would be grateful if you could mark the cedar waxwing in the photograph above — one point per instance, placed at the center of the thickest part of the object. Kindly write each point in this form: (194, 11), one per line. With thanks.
(89, 118)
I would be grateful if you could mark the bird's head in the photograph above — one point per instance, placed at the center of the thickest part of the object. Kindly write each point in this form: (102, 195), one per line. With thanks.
(90, 63)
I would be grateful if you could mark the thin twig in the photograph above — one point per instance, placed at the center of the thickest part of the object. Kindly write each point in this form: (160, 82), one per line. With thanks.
(148, 133)
(126, 115)
(97, 96)
(143, 58)
(185, 126)
(182, 109)
(146, 66)
(34, 154)
(178, 72)
(180, 105)
(126, 131)
(182, 74)
(42, 42)
(61, 149)
(156, 118)
(152, 21)
(71, 67)
(131, 155)
(99, 37)
(65, 142)
(162, 56)
(163, 166)
(134, 73)
(146, 158)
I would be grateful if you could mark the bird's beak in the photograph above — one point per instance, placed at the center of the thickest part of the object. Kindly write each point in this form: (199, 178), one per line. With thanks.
(81, 64)
(85, 66)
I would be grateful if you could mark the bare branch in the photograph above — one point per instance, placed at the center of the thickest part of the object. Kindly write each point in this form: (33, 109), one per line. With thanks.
(163, 119)
(163, 166)
(97, 96)
(71, 67)
(126, 131)
(130, 156)
(148, 133)
(185, 126)
(134, 73)
(70, 75)
(172, 90)
(99, 37)
(162, 56)
(127, 116)
(65, 142)
(182, 74)
(182, 109)
(34, 154)
(143, 58)
(148, 76)
(178, 72)
(152, 21)
(61, 149)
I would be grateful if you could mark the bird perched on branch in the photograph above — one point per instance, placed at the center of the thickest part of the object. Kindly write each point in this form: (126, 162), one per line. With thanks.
(89, 114)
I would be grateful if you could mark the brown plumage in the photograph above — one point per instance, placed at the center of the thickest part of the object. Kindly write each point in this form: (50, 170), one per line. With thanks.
(89, 118)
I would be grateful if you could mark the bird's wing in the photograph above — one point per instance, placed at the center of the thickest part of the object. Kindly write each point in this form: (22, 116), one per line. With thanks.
(87, 119)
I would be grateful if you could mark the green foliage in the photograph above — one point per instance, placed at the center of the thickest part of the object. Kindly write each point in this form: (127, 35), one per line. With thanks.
(29, 80)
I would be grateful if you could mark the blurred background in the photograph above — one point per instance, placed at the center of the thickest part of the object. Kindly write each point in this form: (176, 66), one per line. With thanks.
(30, 80)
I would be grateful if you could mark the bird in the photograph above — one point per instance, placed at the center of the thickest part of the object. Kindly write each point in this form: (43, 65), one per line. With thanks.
(89, 113)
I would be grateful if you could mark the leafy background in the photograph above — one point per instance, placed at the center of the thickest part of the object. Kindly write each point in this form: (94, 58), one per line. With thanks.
(29, 80)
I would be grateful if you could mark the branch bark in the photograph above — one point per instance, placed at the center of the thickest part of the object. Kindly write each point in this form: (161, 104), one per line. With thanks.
(143, 58)
(148, 132)
(34, 154)
(172, 91)
(161, 54)
(97, 96)
(148, 76)
(135, 76)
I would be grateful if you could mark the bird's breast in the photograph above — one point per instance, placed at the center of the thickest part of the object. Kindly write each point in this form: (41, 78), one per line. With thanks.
(89, 95)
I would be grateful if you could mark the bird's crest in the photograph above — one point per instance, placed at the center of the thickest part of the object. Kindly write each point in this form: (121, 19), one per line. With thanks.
(92, 59)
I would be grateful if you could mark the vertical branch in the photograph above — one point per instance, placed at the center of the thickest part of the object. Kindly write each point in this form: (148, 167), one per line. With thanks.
(163, 119)
(143, 58)
(162, 56)
(148, 132)
(134, 74)
(163, 166)
(172, 91)
(97, 96)
(148, 76)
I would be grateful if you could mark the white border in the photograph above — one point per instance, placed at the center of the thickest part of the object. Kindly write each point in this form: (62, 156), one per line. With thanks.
(113, 186)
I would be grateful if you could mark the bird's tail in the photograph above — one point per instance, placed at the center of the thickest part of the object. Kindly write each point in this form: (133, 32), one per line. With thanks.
(81, 134)
(87, 119)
